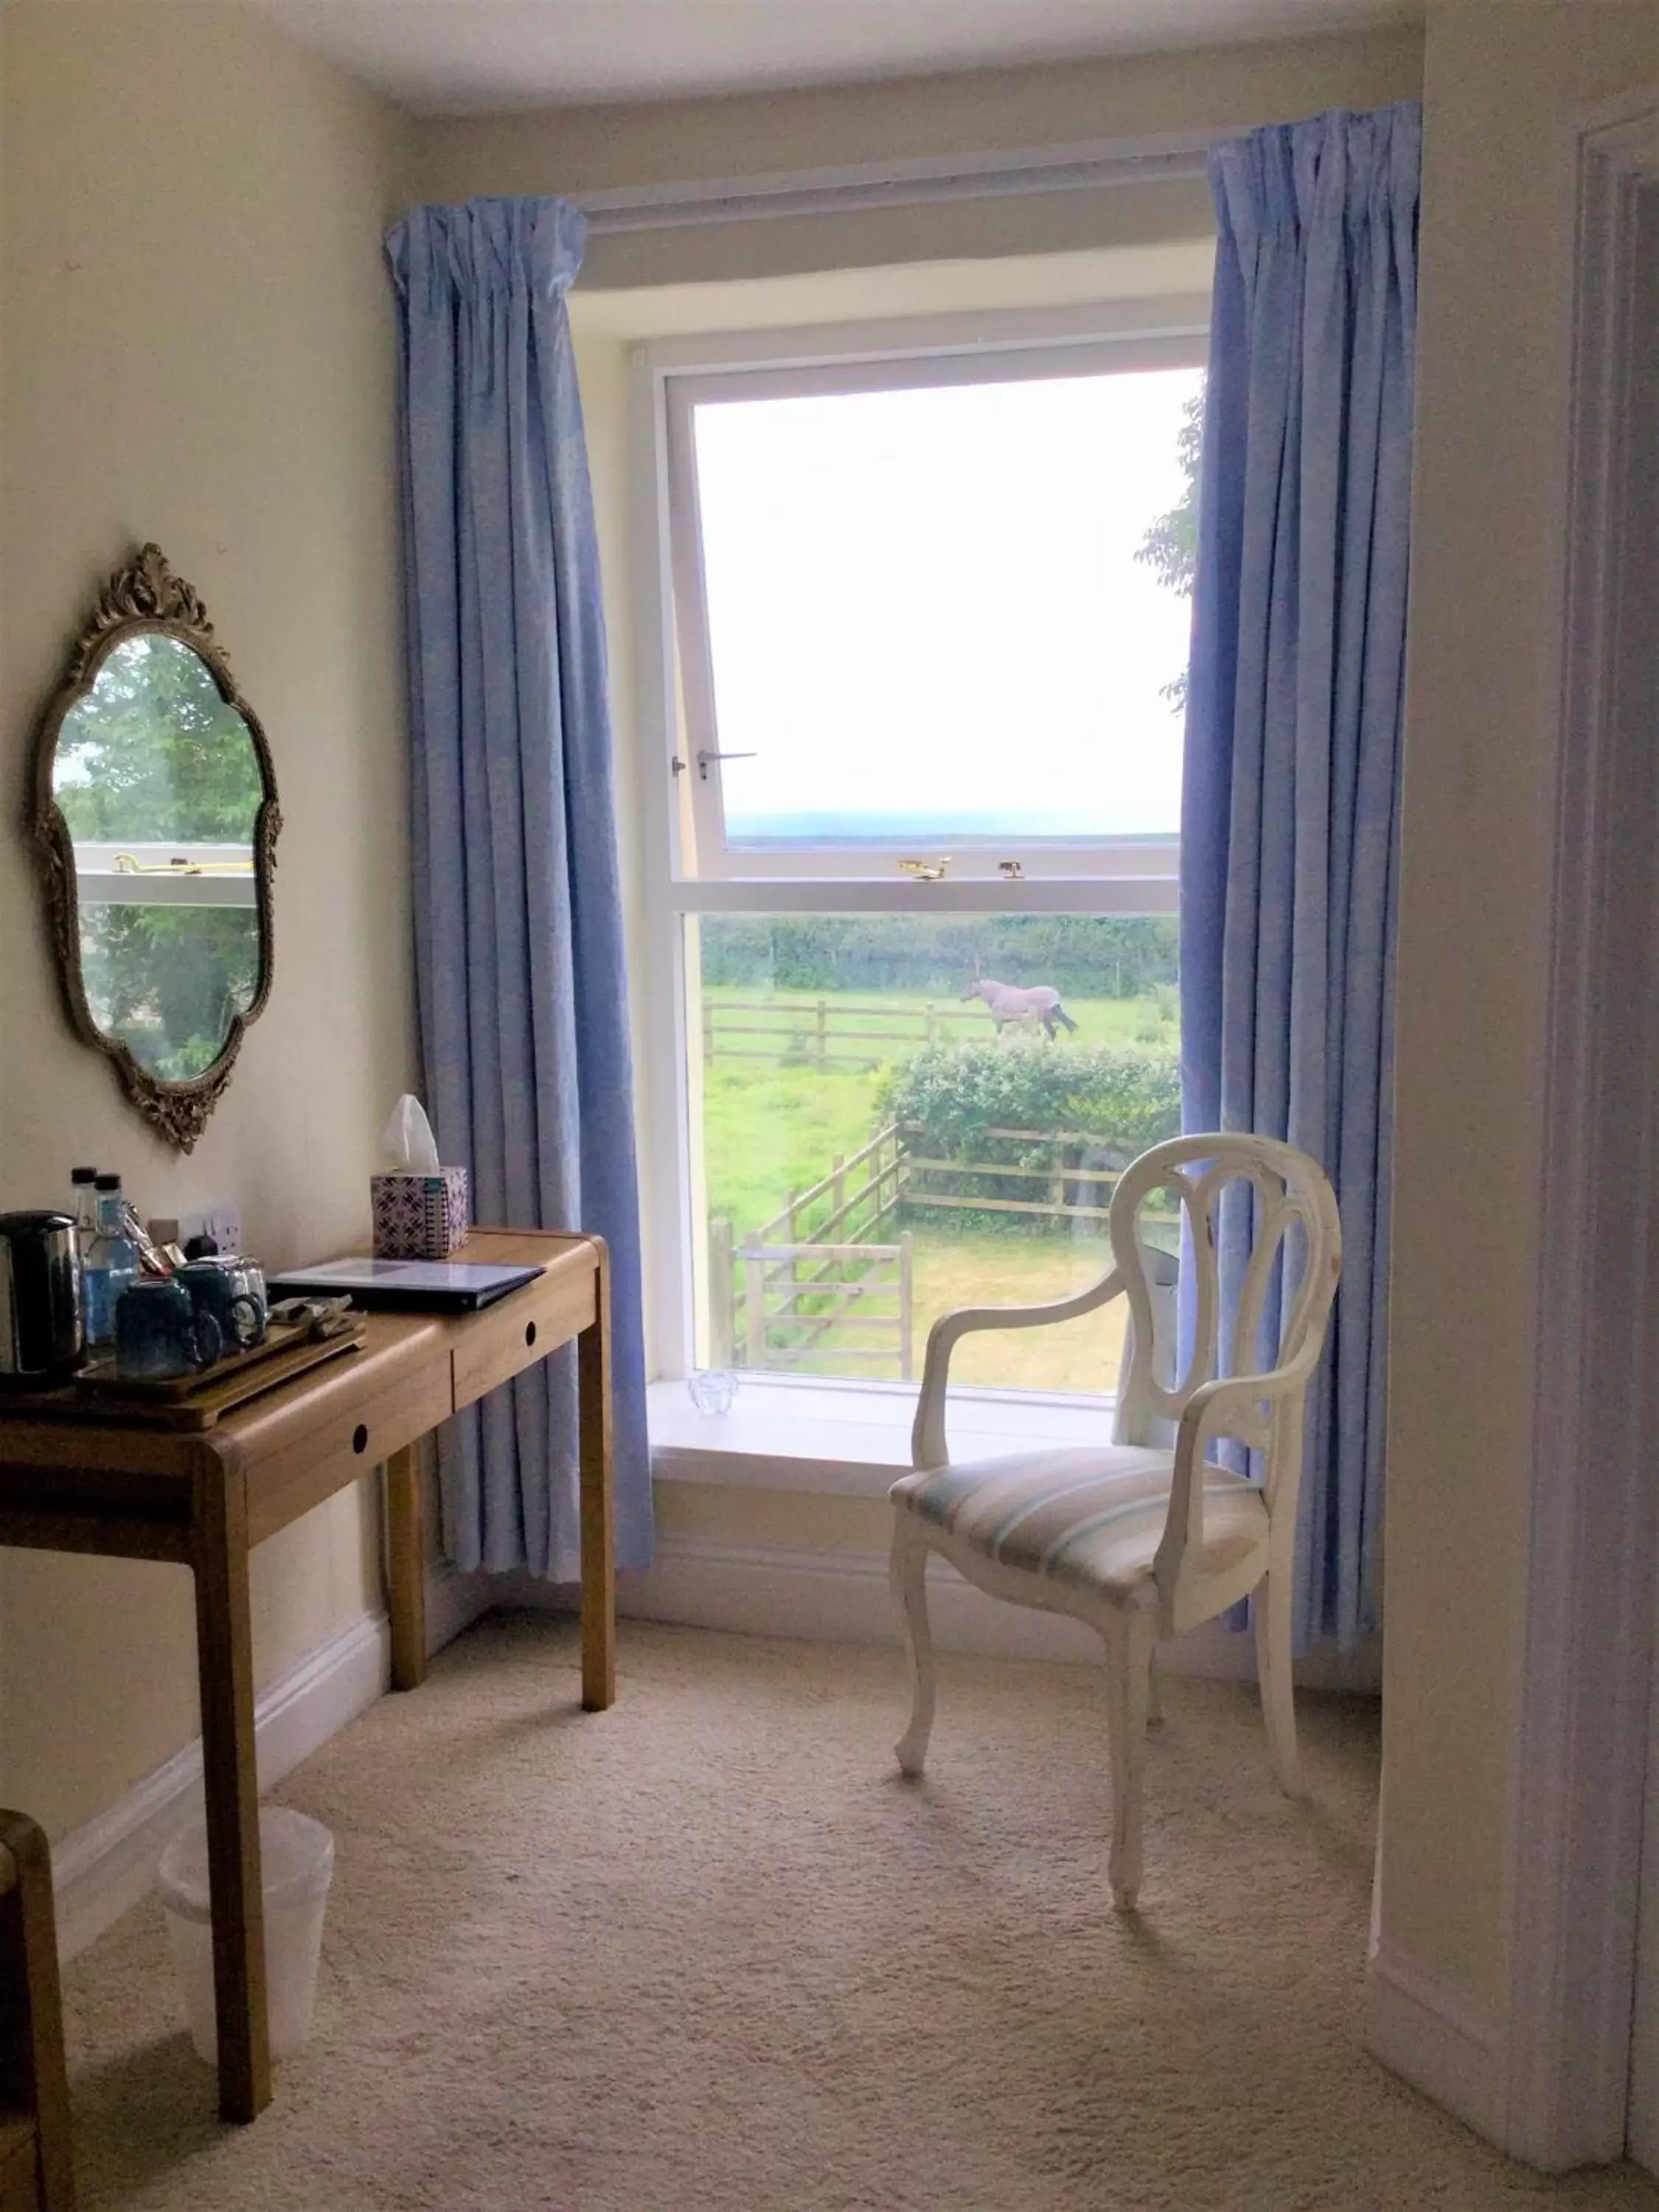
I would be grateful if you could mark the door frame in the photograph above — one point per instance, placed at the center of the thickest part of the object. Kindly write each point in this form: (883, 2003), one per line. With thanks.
(1578, 1777)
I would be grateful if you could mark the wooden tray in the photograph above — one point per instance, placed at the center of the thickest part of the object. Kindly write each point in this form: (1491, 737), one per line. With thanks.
(192, 1402)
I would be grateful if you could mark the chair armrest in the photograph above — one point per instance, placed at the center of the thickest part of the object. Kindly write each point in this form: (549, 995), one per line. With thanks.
(928, 1445)
(1223, 1406)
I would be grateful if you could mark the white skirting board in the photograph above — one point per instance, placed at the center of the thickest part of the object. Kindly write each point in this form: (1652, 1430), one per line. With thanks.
(103, 1869)
(1439, 2040)
(842, 1597)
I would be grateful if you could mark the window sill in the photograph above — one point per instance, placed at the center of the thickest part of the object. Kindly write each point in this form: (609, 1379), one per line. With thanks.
(845, 1441)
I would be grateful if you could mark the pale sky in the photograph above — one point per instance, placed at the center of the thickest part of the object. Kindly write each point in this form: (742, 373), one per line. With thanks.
(929, 599)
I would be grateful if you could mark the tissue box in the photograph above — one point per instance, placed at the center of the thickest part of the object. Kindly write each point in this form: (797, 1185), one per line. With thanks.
(419, 1217)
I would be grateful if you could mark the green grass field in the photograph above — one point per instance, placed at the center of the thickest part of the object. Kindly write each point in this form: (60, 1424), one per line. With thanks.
(771, 1130)
(1100, 1021)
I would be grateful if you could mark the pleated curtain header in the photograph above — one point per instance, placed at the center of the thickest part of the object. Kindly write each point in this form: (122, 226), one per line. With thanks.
(486, 245)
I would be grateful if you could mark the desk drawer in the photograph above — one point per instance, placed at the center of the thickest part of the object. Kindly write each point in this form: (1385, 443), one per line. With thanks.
(365, 1428)
(503, 1341)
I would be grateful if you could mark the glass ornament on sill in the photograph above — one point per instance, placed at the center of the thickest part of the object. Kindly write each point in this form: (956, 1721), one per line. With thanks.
(711, 1389)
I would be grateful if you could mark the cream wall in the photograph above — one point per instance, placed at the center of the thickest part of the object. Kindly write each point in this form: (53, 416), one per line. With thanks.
(588, 149)
(198, 350)
(1500, 83)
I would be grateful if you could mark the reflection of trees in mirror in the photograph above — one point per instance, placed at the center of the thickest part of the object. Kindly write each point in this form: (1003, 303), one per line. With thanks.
(168, 980)
(153, 752)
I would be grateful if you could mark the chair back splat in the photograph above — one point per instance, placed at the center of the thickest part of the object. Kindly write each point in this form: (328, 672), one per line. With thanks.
(1261, 1244)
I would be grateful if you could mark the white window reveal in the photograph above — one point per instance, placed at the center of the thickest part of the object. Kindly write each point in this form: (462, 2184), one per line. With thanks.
(926, 611)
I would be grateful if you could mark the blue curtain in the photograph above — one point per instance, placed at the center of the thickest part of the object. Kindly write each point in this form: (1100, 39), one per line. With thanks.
(519, 951)
(1290, 825)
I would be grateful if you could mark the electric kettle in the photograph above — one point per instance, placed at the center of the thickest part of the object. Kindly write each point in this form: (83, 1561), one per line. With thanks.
(42, 1331)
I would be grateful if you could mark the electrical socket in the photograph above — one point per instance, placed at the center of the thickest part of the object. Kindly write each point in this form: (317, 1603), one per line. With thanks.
(221, 1219)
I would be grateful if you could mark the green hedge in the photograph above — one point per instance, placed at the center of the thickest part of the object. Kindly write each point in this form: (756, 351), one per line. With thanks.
(949, 1096)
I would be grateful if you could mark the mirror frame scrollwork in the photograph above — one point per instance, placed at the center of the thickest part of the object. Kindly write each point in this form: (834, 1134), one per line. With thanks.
(146, 597)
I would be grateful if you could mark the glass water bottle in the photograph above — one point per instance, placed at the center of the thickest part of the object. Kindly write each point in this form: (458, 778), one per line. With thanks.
(111, 1262)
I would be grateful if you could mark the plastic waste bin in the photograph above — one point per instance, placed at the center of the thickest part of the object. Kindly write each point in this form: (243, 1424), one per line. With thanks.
(297, 1859)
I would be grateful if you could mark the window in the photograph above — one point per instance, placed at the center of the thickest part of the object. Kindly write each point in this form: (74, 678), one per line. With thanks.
(927, 615)
(910, 608)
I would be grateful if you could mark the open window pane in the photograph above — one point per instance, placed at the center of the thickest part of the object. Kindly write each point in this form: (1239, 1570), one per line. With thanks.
(955, 614)
(893, 1115)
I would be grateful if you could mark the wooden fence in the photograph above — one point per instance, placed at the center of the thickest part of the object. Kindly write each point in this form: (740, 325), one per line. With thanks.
(813, 1283)
(816, 1289)
(827, 1032)
(1076, 1183)
(853, 1310)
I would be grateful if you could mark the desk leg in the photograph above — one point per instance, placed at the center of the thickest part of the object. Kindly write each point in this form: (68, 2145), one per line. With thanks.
(405, 1542)
(598, 1503)
(225, 1664)
(32, 2016)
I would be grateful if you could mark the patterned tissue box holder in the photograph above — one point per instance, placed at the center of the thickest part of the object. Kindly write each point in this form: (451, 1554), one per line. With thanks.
(419, 1217)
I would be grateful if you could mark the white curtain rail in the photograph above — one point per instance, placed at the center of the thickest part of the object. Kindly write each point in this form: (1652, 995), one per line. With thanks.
(1079, 167)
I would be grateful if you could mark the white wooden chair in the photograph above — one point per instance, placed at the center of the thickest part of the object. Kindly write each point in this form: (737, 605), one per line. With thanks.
(1141, 1541)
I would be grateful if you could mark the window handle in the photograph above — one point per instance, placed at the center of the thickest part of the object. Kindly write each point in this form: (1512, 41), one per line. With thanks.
(704, 758)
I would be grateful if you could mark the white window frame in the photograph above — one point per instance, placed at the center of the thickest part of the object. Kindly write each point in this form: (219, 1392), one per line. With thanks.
(128, 872)
(1129, 876)
(943, 350)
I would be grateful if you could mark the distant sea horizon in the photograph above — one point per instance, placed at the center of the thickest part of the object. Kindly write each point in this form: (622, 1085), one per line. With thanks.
(829, 827)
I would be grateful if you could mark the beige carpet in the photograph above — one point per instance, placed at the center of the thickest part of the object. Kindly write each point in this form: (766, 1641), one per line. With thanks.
(707, 1951)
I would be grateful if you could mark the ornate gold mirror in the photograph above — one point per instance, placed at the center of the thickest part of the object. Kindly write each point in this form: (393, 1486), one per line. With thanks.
(155, 815)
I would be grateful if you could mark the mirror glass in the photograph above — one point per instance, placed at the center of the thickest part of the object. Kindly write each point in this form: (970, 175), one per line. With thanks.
(159, 781)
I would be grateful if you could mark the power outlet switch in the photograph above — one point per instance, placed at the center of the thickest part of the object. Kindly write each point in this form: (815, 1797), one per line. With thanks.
(221, 1219)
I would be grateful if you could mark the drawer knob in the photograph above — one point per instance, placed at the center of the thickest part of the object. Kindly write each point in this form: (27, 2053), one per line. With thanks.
(360, 1439)
(530, 1332)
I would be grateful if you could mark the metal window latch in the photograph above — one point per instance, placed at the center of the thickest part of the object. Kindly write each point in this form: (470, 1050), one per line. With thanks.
(704, 758)
(926, 871)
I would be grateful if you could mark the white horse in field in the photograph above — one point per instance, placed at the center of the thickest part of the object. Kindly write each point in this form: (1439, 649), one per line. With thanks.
(1009, 1002)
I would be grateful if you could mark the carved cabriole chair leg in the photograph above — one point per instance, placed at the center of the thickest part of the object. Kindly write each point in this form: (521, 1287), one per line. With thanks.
(1154, 1691)
(909, 1576)
(1128, 1638)
(1273, 1665)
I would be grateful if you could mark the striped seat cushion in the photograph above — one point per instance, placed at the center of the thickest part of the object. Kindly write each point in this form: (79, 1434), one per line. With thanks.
(1092, 1517)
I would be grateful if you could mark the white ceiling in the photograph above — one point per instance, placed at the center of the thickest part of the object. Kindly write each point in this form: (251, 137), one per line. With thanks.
(478, 56)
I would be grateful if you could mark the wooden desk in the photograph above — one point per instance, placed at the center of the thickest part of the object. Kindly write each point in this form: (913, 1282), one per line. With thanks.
(205, 1499)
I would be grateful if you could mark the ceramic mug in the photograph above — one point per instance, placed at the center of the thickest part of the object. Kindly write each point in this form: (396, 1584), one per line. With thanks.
(233, 1291)
(161, 1333)
(248, 1278)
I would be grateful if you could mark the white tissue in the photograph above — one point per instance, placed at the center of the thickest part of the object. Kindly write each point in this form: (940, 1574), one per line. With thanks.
(407, 1145)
